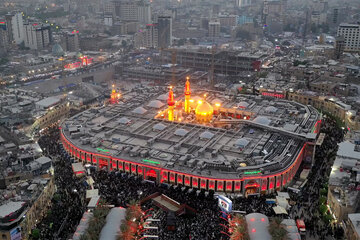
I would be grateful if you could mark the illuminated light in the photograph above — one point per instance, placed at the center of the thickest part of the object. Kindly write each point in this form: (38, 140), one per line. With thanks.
(217, 104)
(263, 219)
(245, 118)
(102, 150)
(253, 230)
(150, 161)
(252, 172)
(2, 22)
(191, 100)
(252, 219)
(200, 102)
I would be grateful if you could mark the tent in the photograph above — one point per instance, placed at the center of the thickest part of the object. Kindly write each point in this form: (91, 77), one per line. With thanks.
(279, 210)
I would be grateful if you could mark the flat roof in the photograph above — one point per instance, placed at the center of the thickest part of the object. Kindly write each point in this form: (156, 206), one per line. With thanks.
(48, 102)
(202, 149)
(10, 207)
(355, 219)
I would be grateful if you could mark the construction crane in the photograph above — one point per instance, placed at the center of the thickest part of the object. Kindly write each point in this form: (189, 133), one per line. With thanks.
(173, 62)
(213, 49)
(173, 68)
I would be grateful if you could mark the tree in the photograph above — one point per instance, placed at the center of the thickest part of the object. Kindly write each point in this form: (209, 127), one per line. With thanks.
(277, 229)
(323, 192)
(322, 209)
(322, 200)
(35, 233)
(327, 218)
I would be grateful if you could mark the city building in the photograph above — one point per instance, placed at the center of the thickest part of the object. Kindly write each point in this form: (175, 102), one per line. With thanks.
(243, 3)
(4, 38)
(15, 27)
(164, 28)
(261, 156)
(228, 20)
(339, 46)
(37, 36)
(126, 10)
(353, 226)
(214, 29)
(144, 12)
(343, 194)
(351, 34)
(228, 62)
(71, 40)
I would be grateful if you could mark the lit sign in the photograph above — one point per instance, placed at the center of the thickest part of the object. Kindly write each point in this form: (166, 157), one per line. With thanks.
(270, 94)
(253, 172)
(150, 161)
(224, 203)
(102, 150)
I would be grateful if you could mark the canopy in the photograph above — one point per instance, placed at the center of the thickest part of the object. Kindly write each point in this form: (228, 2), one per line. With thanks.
(279, 210)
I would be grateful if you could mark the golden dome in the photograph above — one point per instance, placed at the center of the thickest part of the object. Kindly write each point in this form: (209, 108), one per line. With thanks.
(204, 111)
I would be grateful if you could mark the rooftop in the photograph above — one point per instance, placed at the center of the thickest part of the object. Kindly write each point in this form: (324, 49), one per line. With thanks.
(204, 149)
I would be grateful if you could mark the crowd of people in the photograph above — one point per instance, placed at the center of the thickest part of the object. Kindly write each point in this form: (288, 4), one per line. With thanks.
(67, 204)
(207, 222)
(307, 206)
(119, 189)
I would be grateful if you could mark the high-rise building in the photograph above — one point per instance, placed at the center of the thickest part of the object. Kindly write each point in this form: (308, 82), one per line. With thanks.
(144, 12)
(339, 46)
(126, 10)
(148, 37)
(3, 37)
(15, 27)
(151, 36)
(214, 29)
(351, 34)
(164, 26)
(37, 36)
(71, 40)
(242, 3)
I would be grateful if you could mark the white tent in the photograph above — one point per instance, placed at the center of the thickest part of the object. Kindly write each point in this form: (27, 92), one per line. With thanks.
(113, 222)
(279, 210)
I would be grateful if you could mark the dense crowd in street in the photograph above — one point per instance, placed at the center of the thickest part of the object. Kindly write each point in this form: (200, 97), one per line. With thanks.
(119, 189)
(67, 205)
(308, 201)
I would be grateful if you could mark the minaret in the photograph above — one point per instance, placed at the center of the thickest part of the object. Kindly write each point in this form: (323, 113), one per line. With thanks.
(113, 95)
(171, 104)
(187, 92)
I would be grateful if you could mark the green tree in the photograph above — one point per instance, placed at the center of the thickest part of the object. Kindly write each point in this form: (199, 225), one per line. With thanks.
(35, 233)
(323, 192)
(322, 200)
(323, 209)
(327, 218)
